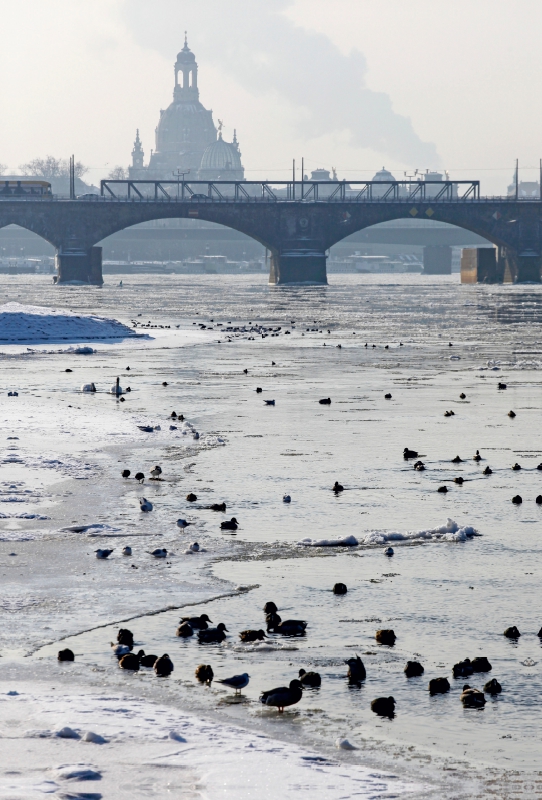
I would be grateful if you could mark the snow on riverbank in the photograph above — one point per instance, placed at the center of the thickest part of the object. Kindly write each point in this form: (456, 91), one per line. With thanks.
(33, 324)
(113, 745)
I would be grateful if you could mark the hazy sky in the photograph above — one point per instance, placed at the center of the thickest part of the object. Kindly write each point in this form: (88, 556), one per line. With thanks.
(354, 84)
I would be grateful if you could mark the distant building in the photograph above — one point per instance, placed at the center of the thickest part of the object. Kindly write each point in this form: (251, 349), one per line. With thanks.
(186, 137)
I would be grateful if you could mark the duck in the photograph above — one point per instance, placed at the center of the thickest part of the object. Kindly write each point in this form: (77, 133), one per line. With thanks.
(340, 588)
(139, 476)
(286, 498)
(146, 660)
(442, 489)
(290, 627)
(156, 472)
(512, 633)
(199, 623)
(125, 636)
(103, 553)
(463, 669)
(387, 396)
(66, 655)
(481, 664)
(457, 460)
(229, 525)
(283, 696)
(236, 682)
(488, 471)
(511, 414)
(459, 480)
(477, 457)
(129, 661)
(439, 686)
(182, 524)
(127, 551)
(191, 497)
(159, 552)
(204, 673)
(538, 500)
(311, 679)
(388, 551)
(217, 507)
(472, 698)
(163, 666)
(144, 504)
(501, 386)
(125, 473)
(462, 396)
(386, 636)
(493, 687)
(517, 500)
(419, 466)
(413, 669)
(383, 706)
(185, 630)
(409, 453)
(337, 487)
(270, 608)
(269, 402)
(212, 635)
(252, 636)
(120, 650)
(326, 401)
(516, 467)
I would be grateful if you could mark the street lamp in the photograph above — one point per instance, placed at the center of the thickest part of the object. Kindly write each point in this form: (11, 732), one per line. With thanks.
(178, 174)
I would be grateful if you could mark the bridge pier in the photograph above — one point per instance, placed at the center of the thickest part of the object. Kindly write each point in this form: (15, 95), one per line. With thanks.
(80, 265)
(298, 266)
(527, 266)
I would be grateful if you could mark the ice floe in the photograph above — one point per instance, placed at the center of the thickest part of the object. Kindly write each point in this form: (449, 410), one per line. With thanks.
(25, 323)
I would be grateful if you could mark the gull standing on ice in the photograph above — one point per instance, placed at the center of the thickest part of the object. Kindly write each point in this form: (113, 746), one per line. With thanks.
(182, 524)
(126, 551)
(160, 552)
(103, 553)
(236, 682)
(144, 504)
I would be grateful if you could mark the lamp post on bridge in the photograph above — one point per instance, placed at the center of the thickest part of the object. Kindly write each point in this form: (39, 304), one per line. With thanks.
(178, 173)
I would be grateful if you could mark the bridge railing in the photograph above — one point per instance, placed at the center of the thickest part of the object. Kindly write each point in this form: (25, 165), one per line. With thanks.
(289, 191)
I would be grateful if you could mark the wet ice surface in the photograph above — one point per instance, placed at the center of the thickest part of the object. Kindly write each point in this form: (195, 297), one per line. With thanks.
(446, 596)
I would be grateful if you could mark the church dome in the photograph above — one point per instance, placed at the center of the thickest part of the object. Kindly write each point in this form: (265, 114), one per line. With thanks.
(383, 175)
(221, 160)
(186, 56)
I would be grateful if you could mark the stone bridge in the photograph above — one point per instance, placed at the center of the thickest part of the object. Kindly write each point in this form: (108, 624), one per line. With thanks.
(298, 223)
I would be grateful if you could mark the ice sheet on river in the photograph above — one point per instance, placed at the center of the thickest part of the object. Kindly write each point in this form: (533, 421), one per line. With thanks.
(450, 532)
(25, 323)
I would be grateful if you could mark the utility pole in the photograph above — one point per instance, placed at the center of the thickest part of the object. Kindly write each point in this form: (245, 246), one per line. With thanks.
(178, 174)
(293, 179)
(72, 177)
(517, 178)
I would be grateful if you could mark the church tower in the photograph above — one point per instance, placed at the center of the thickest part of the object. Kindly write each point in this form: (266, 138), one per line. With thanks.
(137, 158)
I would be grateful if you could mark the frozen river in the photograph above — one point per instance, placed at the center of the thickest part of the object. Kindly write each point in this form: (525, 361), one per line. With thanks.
(447, 596)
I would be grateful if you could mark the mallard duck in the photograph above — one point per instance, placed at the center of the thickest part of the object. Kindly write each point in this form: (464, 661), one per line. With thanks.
(146, 660)
(290, 627)
(340, 588)
(129, 661)
(163, 666)
(197, 622)
(66, 655)
(488, 471)
(472, 698)
(311, 679)
(191, 497)
(125, 636)
(204, 673)
(229, 525)
(217, 507)
(409, 453)
(383, 706)
(252, 636)
(337, 487)
(477, 457)
(413, 669)
(212, 635)
(185, 630)
(386, 636)
(125, 473)
(283, 696)
(270, 608)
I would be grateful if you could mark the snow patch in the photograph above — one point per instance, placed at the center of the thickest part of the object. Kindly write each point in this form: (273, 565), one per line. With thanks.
(24, 323)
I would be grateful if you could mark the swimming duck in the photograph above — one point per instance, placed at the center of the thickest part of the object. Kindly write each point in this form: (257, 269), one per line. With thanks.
(159, 552)
(386, 636)
(409, 453)
(182, 524)
(125, 636)
(457, 460)
(337, 487)
(481, 664)
(259, 390)
(384, 706)
(217, 507)
(459, 480)
(419, 466)
(270, 608)
(463, 669)
(103, 553)
(229, 525)
(538, 500)
(252, 636)
(388, 551)
(501, 386)
(125, 473)
(516, 467)
(156, 472)
(312, 679)
(387, 396)
(493, 687)
(283, 696)
(212, 635)
(512, 633)
(185, 630)
(191, 497)
(439, 686)
(127, 551)
(462, 396)
(477, 457)
(66, 655)
(517, 499)
(146, 660)
(413, 669)
(144, 504)
(442, 489)
(139, 477)
(163, 666)
(325, 402)
(269, 402)
(286, 498)
(472, 698)
(129, 661)
(511, 414)
(488, 471)
(290, 627)
(199, 623)
(204, 673)
(236, 682)
(340, 588)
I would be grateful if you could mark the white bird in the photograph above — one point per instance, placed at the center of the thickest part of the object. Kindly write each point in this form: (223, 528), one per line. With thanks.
(195, 435)
(120, 649)
(194, 547)
(156, 472)
(144, 504)
(182, 524)
(103, 553)
(236, 682)
(160, 552)
(126, 551)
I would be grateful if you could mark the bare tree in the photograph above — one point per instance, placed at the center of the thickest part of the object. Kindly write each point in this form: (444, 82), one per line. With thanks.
(51, 167)
(118, 174)
(3, 168)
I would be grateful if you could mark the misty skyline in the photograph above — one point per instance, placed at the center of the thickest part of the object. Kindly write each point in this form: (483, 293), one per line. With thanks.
(350, 84)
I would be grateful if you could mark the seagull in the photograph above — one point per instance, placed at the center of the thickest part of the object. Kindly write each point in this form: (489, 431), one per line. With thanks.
(160, 552)
(236, 682)
(103, 553)
(145, 505)
(146, 428)
(194, 548)
(120, 650)
(156, 472)
(182, 524)
(126, 551)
